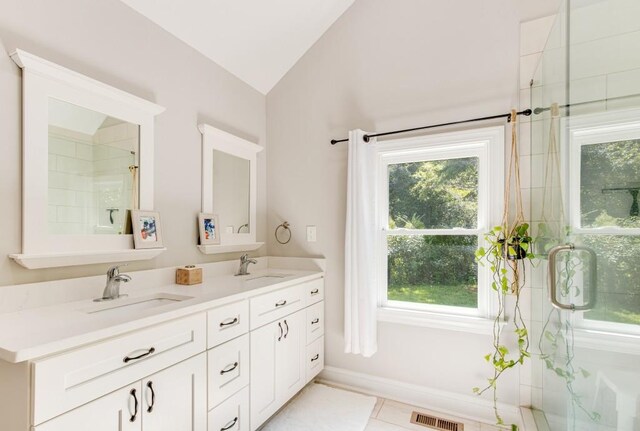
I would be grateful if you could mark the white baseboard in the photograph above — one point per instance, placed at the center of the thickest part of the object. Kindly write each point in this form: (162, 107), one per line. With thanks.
(466, 406)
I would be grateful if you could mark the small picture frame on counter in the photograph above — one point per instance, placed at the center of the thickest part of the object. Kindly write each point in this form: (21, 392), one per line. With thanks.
(147, 232)
(208, 226)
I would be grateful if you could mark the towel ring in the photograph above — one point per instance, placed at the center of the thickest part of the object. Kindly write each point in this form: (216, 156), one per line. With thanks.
(284, 227)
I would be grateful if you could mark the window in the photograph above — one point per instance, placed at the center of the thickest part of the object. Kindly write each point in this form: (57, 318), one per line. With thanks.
(604, 184)
(434, 207)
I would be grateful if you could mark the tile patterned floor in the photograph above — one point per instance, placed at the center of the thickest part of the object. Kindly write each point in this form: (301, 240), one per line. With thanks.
(391, 415)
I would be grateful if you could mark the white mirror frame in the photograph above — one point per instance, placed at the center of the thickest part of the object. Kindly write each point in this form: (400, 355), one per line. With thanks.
(41, 80)
(216, 139)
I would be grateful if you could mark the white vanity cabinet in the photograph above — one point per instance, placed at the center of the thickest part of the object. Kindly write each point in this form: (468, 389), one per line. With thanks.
(172, 399)
(224, 365)
(112, 412)
(279, 349)
(228, 367)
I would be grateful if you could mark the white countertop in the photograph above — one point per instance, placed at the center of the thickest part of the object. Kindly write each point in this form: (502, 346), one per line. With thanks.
(38, 332)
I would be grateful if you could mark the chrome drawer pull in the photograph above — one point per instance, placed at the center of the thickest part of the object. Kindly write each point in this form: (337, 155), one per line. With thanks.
(227, 369)
(135, 406)
(281, 303)
(314, 321)
(135, 358)
(234, 321)
(315, 291)
(230, 424)
(316, 357)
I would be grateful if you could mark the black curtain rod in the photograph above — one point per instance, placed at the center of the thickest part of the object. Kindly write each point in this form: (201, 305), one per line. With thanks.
(526, 112)
(569, 105)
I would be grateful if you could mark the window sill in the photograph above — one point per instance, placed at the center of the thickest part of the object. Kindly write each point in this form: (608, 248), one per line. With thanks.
(468, 324)
(607, 341)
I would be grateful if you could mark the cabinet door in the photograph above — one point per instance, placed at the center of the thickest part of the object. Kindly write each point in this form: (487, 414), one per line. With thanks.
(113, 412)
(264, 399)
(290, 357)
(176, 398)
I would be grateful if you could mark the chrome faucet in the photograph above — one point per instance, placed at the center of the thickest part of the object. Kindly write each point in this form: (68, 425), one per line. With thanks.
(244, 264)
(112, 289)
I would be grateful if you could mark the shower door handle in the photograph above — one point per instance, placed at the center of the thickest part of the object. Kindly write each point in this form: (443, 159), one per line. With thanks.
(593, 278)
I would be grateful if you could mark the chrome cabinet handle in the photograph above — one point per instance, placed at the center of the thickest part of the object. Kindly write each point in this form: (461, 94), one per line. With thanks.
(135, 406)
(316, 357)
(593, 275)
(228, 368)
(315, 321)
(230, 424)
(287, 325)
(235, 321)
(281, 331)
(128, 359)
(281, 303)
(315, 291)
(153, 396)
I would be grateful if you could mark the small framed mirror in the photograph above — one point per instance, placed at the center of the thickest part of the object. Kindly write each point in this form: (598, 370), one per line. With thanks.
(229, 188)
(87, 162)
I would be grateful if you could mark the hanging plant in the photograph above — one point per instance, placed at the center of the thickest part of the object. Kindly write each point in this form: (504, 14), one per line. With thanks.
(551, 230)
(507, 248)
(556, 342)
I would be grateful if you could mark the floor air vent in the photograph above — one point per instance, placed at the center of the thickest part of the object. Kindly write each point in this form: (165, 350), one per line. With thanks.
(435, 422)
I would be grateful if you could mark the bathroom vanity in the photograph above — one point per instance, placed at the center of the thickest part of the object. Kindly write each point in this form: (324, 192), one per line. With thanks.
(221, 356)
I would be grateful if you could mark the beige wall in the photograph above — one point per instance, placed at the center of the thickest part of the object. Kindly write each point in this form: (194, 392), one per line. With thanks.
(112, 43)
(386, 65)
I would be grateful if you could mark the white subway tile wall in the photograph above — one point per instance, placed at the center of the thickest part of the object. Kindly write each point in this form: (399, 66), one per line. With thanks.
(87, 176)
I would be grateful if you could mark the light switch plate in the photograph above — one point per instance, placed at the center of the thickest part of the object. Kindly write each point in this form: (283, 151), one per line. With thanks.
(311, 234)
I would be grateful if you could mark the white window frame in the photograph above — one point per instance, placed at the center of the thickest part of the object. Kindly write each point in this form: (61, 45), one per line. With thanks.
(487, 144)
(593, 129)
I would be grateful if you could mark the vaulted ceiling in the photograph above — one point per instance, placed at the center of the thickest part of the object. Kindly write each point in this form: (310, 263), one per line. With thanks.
(256, 40)
(260, 40)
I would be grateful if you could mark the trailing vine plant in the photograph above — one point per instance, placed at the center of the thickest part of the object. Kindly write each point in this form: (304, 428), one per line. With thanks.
(558, 358)
(558, 352)
(507, 248)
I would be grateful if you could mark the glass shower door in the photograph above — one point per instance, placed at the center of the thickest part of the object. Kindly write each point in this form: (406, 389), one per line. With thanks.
(586, 219)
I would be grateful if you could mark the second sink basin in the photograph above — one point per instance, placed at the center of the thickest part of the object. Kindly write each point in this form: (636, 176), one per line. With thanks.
(123, 306)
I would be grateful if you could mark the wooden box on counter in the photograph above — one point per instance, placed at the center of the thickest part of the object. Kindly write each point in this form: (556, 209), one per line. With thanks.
(189, 275)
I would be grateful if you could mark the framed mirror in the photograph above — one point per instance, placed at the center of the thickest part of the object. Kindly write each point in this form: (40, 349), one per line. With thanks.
(87, 162)
(229, 188)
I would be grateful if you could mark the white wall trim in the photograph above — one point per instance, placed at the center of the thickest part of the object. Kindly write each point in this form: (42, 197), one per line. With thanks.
(466, 406)
(449, 322)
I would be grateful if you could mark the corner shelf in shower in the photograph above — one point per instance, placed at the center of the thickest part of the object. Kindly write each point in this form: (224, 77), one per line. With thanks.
(55, 260)
(229, 248)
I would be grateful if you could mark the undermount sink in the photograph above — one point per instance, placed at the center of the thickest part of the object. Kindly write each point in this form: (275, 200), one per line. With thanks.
(122, 306)
(261, 277)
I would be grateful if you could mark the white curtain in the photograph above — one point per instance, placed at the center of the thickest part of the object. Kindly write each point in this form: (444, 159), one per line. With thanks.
(360, 288)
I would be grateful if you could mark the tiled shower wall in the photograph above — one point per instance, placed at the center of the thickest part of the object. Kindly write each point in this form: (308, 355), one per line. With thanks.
(70, 187)
(533, 38)
(87, 175)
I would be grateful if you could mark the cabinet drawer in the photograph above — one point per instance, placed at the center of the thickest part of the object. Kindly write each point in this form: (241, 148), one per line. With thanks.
(315, 322)
(231, 415)
(227, 322)
(275, 305)
(63, 382)
(313, 291)
(228, 366)
(315, 358)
